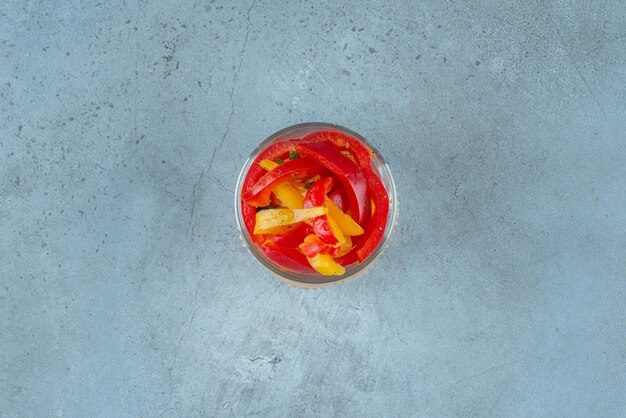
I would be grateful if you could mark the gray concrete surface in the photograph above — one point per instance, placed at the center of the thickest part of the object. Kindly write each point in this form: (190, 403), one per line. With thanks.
(125, 291)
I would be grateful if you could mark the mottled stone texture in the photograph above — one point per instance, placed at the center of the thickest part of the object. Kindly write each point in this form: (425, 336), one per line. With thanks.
(126, 292)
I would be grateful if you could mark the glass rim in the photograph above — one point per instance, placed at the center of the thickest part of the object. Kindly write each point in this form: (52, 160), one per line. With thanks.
(354, 270)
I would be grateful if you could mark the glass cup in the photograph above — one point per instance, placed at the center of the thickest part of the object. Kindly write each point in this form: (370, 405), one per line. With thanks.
(315, 279)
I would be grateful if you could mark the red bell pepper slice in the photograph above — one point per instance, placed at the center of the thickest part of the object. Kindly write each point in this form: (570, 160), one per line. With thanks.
(376, 229)
(248, 213)
(339, 197)
(346, 171)
(262, 199)
(316, 195)
(299, 167)
(322, 228)
(288, 258)
(378, 222)
(294, 237)
(359, 151)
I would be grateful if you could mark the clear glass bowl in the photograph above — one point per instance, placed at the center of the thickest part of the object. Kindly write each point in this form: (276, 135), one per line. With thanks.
(315, 279)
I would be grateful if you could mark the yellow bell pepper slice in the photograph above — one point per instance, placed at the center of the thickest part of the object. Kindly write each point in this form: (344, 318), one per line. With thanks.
(286, 192)
(268, 165)
(325, 265)
(341, 239)
(271, 218)
(289, 195)
(346, 224)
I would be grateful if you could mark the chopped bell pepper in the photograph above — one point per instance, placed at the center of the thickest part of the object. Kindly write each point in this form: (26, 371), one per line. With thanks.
(352, 211)
(262, 199)
(325, 265)
(293, 237)
(346, 224)
(268, 165)
(376, 229)
(312, 245)
(342, 141)
(339, 197)
(271, 218)
(287, 258)
(327, 230)
(316, 195)
(289, 195)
